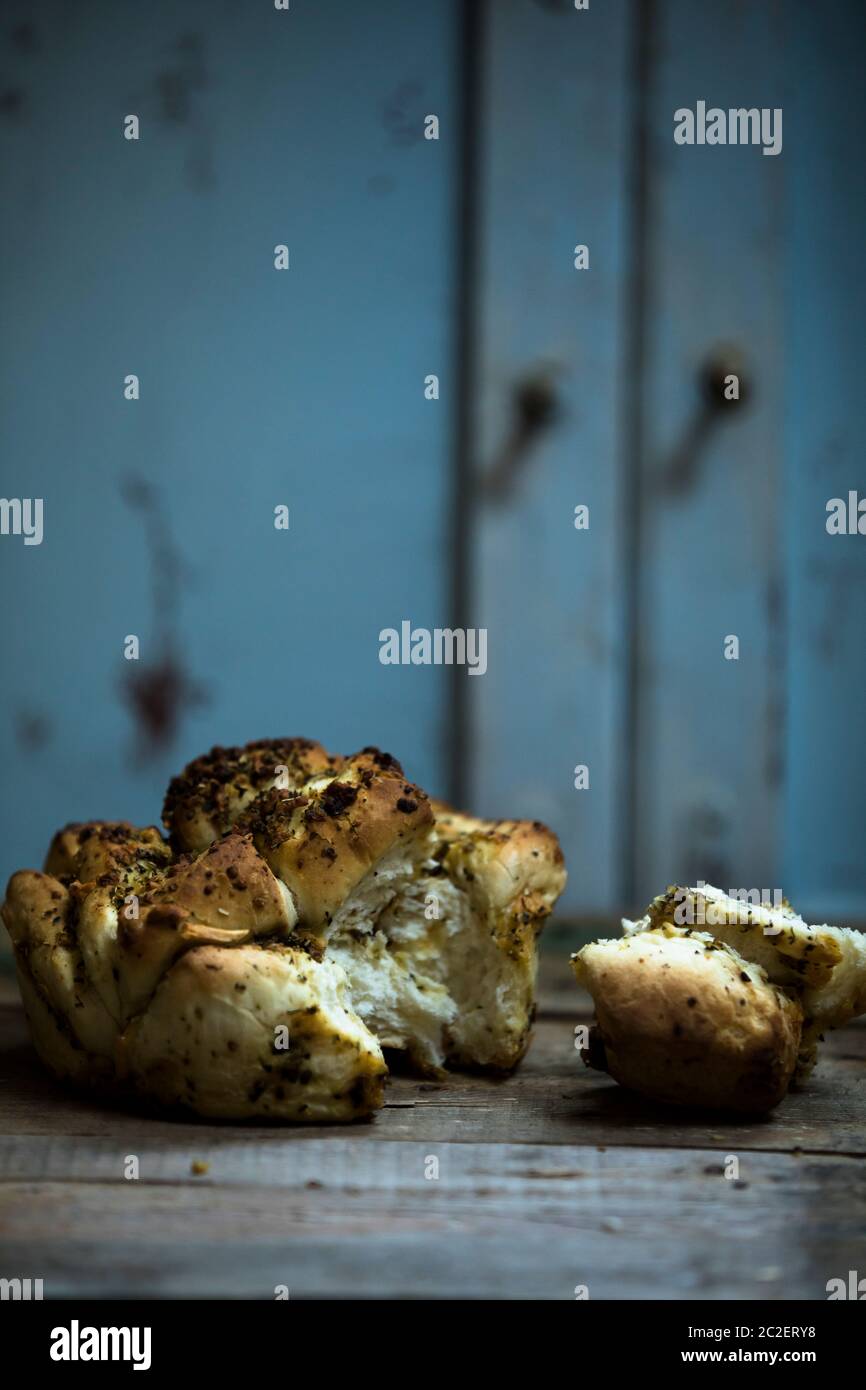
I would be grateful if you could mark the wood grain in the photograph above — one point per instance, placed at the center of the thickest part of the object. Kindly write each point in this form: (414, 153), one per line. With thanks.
(551, 1179)
(552, 1099)
(555, 132)
(501, 1221)
(711, 731)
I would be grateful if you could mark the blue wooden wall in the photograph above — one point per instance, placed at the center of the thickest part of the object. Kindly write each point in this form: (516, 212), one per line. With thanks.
(306, 388)
(824, 425)
(610, 641)
(258, 387)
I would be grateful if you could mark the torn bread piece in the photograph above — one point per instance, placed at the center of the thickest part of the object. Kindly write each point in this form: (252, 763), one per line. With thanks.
(446, 974)
(433, 915)
(684, 1019)
(823, 966)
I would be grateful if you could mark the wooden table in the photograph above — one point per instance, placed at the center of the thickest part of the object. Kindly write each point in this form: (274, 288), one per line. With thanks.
(547, 1181)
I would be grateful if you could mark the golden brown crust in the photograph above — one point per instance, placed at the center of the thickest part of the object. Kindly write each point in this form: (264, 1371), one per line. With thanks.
(683, 1019)
(810, 954)
(160, 968)
(93, 850)
(323, 840)
(228, 886)
(822, 966)
(512, 871)
(40, 914)
(323, 823)
(226, 896)
(509, 865)
(129, 976)
(64, 847)
(254, 1034)
(211, 793)
(35, 907)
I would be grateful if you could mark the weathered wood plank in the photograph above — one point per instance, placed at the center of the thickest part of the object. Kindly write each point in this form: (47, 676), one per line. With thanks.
(825, 424)
(710, 730)
(552, 1099)
(258, 388)
(554, 141)
(551, 1179)
(501, 1221)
